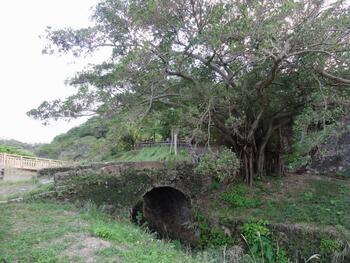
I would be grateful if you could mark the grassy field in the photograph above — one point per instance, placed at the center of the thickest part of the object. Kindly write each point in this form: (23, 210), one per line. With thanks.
(293, 199)
(50, 232)
(34, 231)
(154, 154)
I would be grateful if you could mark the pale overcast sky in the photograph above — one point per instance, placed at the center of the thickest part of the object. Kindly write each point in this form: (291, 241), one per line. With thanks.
(27, 76)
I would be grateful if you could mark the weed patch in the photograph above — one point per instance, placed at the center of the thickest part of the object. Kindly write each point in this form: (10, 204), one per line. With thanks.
(258, 239)
(237, 197)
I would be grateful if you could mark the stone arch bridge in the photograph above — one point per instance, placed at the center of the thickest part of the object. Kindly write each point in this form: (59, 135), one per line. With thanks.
(159, 193)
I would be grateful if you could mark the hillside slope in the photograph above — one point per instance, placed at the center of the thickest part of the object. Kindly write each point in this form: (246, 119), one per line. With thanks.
(90, 141)
(17, 147)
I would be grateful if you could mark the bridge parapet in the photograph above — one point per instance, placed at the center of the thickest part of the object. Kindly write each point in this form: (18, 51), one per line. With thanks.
(29, 163)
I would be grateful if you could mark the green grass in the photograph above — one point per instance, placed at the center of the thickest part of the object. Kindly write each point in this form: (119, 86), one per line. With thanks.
(237, 197)
(315, 201)
(42, 232)
(328, 205)
(19, 182)
(15, 189)
(23, 188)
(45, 231)
(154, 154)
(343, 174)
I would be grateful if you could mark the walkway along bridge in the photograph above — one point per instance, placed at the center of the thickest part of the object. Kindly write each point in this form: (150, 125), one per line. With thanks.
(13, 164)
(28, 163)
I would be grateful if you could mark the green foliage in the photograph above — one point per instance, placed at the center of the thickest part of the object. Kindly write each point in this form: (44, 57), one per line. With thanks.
(253, 230)
(343, 174)
(95, 140)
(104, 232)
(308, 196)
(258, 237)
(139, 218)
(237, 197)
(20, 145)
(169, 119)
(215, 185)
(220, 165)
(329, 246)
(86, 142)
(209, 235)
(45, 256)
(38, 190)
(14, 150)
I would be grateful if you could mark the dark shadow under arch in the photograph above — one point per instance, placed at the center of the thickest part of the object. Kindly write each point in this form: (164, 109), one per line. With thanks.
(167, 211)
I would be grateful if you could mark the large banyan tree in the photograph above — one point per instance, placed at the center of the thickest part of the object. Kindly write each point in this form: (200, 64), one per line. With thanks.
(239, 69)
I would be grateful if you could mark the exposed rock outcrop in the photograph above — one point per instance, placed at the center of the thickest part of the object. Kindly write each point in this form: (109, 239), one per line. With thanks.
(333, 157)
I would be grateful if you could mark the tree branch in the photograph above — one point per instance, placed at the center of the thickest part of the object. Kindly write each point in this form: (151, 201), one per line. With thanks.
(334, 78)
(228, 79)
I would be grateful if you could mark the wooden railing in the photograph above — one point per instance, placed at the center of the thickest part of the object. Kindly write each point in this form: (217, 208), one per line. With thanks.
(145, 144)
(28, 163)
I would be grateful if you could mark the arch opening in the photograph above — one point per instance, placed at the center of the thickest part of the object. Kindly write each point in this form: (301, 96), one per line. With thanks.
(168, 212)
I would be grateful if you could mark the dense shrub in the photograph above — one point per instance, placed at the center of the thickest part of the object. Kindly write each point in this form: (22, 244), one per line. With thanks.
(221, 165)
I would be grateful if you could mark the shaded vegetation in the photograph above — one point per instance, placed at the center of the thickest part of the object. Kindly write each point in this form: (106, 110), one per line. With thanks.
(211, 236)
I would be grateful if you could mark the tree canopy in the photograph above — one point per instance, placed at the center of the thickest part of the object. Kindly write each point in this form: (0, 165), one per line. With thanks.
(237, 71)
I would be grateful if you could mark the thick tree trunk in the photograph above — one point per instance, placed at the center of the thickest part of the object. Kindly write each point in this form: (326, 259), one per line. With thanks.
(260, 147)
(261, 169)
(280, 150)
(248, 164)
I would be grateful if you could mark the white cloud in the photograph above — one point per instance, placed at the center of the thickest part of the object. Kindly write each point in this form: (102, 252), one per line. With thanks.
(27, 76)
